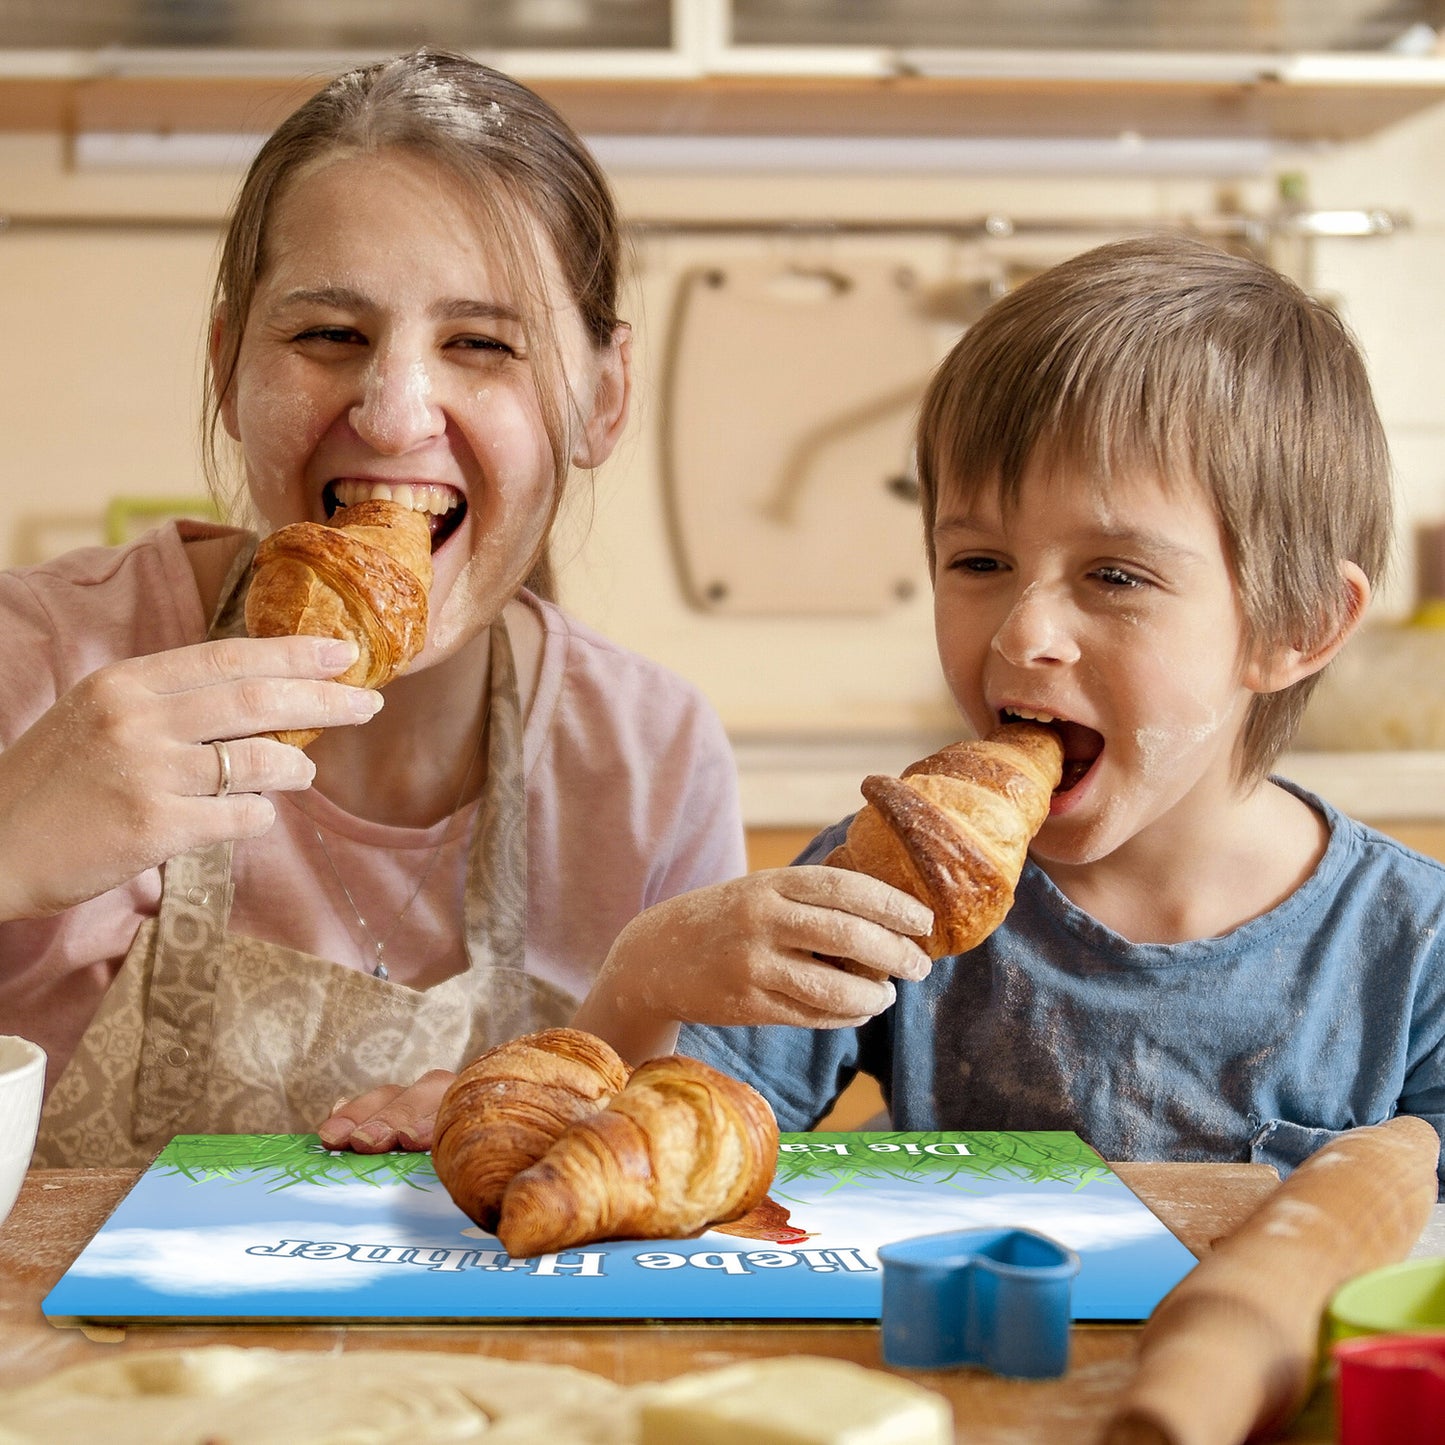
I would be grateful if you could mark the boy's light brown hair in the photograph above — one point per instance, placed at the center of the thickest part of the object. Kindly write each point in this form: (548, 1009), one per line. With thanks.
(1166, 357)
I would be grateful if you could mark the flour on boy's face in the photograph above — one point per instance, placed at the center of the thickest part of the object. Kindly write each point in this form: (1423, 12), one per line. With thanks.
(1109, 610)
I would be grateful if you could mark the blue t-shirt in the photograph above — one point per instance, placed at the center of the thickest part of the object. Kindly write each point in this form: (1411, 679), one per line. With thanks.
(1261, 1045)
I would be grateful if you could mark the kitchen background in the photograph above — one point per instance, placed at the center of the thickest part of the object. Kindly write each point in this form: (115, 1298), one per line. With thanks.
(822, 194)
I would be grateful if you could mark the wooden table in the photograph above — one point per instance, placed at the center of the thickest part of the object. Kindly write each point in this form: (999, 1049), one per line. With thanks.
(59, 1210)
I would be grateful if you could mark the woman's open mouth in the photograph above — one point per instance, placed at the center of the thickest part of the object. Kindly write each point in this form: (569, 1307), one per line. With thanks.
(1082, 745)
(444, 506)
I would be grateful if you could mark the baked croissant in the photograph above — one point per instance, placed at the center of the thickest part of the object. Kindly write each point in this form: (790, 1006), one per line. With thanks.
(955, 829)
(681, 1147)
(509, 1106)
(364, 575)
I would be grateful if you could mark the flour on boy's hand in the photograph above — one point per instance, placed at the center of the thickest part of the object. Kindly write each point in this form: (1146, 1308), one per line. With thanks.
(955, 829)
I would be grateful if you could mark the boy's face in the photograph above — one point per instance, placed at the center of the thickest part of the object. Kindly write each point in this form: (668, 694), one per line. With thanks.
(1113, 609)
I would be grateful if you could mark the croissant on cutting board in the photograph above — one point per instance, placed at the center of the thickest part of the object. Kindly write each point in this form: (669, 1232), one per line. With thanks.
(547, 1142)
(510, 1105)
(955, 829)
(681, 1147)
(363, 575)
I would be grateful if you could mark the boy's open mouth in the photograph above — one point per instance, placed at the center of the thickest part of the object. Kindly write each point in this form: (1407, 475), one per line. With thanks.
(1082, 745)
(444, 506)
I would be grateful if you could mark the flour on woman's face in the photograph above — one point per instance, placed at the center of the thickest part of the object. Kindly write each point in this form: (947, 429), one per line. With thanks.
(385, 350)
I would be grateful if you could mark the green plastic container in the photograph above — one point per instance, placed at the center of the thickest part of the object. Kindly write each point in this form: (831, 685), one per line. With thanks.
(1401, 1299)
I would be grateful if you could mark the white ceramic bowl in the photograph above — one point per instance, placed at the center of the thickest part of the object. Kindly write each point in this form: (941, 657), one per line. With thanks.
(22, 1082)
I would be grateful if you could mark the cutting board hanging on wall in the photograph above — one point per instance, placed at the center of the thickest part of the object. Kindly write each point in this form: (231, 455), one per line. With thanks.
(789, 400)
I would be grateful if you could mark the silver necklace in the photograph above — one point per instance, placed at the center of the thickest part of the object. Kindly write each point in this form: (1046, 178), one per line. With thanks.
(378, 945)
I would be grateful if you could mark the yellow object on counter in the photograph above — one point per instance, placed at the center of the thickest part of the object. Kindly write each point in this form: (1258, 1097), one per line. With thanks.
(792, 1400)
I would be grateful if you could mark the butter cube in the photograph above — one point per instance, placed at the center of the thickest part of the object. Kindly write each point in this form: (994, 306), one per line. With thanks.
(793, 1400)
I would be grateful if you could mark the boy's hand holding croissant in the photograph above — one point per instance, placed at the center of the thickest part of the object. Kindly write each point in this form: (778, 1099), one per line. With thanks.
(812, 946)
(818, 947)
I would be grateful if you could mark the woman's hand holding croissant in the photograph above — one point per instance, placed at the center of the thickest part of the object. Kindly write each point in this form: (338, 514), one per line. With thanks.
(120, 774)
(812, 946)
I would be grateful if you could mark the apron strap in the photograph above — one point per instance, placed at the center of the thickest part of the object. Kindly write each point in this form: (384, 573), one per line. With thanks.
(229, 618)
(496, 891)
(195, 907)
(176, 1043)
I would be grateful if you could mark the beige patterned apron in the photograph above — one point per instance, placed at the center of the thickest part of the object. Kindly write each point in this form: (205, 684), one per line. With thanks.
(205, 1031)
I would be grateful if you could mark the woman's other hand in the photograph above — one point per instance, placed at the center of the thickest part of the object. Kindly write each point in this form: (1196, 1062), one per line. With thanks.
(124, 772)
(393, 1116)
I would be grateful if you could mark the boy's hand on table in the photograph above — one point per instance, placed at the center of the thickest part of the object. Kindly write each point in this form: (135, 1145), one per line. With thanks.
(393, 1116)
(812, 946)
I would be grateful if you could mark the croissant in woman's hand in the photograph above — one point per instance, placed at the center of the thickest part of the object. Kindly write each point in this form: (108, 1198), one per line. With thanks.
(510, 1105)
(365, 575)
(681, 1147)
(955, 829)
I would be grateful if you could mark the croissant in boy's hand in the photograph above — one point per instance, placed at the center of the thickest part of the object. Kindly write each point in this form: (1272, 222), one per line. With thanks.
(364, 575)
(955, 829)
(562, 1160)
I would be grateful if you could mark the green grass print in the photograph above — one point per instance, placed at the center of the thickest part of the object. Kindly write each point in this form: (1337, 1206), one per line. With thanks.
(287, 1159)
(1039, 1156)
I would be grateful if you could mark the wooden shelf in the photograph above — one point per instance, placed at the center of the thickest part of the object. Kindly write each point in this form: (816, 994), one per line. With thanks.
(1280, 109)
(162, 105)
(990, 107)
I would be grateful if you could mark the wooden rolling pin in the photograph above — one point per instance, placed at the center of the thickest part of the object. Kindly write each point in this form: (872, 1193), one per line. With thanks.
(1230, 1353)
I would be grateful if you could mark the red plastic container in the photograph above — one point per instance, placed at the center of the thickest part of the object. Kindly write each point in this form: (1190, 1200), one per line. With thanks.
(1390, 1390)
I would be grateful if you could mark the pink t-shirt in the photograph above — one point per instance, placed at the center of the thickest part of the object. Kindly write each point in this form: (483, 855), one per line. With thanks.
(630, 782)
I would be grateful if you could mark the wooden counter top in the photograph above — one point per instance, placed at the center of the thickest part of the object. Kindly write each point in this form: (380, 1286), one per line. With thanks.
(59, 1210)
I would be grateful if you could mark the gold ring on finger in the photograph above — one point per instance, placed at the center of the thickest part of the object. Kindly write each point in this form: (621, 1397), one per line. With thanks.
(223, 758)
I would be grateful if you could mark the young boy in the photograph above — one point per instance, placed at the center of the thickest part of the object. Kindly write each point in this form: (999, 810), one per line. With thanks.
(1156, 496)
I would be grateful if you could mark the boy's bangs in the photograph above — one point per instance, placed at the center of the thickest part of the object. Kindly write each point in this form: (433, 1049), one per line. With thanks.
(1097, 422)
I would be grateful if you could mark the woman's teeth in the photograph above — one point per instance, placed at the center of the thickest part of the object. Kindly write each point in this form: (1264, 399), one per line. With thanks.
(1022, 714)
(420, 497)
(444, 507)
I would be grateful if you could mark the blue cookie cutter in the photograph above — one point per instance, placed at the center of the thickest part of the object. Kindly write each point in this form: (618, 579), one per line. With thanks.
(998, 1298)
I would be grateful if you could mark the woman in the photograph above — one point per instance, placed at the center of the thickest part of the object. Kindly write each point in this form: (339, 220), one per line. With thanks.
(210, 930)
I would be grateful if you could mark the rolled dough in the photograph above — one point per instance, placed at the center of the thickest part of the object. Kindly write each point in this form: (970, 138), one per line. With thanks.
(276, 1397)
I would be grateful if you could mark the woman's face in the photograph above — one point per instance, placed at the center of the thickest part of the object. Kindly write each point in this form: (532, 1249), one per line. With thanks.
(385, 356)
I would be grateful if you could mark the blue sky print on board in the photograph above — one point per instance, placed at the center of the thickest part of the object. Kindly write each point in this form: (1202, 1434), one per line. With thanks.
(275, 1227)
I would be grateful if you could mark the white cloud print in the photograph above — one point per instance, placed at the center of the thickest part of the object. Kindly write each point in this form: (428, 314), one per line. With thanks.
(214, 1261)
